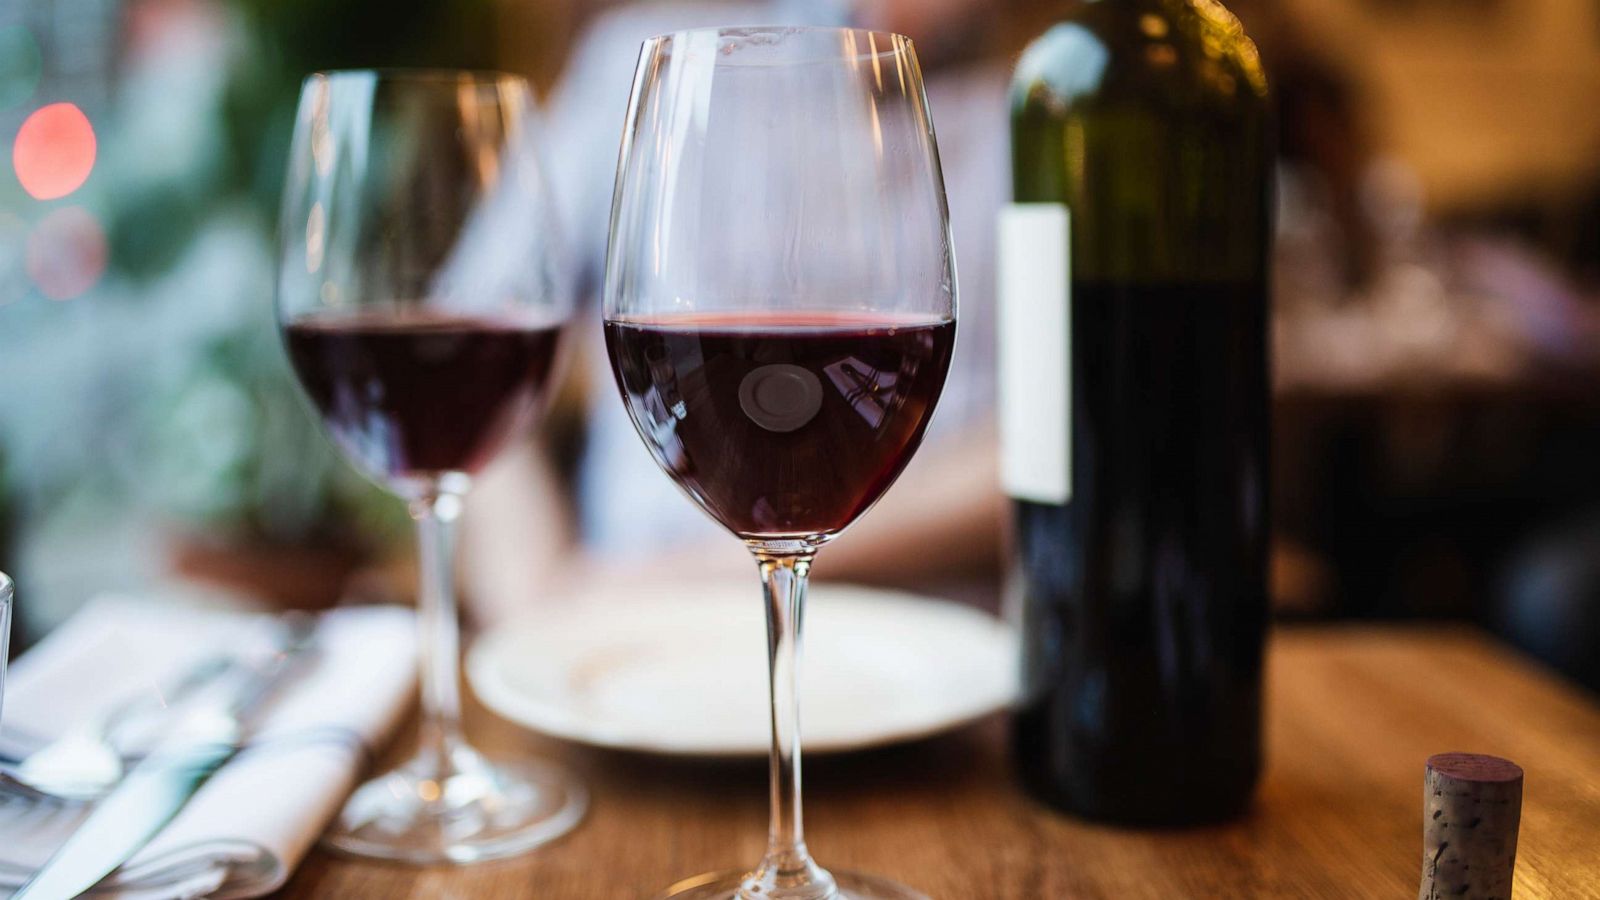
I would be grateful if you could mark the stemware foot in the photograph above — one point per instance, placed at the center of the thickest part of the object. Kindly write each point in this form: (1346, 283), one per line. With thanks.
(472, 810)
(726, 886)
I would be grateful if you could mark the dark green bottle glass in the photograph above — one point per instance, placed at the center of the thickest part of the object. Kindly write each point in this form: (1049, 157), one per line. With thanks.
(1134, 268)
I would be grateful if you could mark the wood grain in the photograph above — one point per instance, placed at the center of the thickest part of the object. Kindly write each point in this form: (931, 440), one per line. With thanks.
(1353, 716)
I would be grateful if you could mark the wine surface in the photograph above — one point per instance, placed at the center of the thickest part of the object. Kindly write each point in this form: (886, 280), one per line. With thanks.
(419, 394)
(781, 424)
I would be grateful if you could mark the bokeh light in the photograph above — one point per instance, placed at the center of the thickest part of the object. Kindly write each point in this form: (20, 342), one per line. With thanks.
(66, 253)
(54, 151)
(20, 65)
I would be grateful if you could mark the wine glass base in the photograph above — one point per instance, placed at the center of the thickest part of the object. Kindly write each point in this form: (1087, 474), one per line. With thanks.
(479, 810)
(852, 886)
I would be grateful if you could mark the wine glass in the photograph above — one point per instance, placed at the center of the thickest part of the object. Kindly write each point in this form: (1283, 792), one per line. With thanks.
(780, 313)
(421, 308)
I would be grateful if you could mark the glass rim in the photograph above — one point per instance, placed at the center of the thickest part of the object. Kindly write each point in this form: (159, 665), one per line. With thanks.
(421, 75)
(894, 42)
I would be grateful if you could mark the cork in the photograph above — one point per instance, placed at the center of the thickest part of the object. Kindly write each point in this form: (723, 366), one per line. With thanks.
(1471, 807)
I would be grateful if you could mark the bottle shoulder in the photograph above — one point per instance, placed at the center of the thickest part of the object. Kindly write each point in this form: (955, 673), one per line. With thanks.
(1139, 52)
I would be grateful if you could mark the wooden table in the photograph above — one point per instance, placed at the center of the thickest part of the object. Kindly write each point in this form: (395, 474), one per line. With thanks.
(1353, 715)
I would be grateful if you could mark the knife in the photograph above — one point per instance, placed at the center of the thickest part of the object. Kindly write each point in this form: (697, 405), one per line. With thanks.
(158, 787)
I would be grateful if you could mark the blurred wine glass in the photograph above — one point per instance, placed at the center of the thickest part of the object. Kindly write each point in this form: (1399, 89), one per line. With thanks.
(421, 308)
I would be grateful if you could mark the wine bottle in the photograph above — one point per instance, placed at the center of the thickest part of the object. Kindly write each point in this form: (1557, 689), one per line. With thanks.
(1134, 409)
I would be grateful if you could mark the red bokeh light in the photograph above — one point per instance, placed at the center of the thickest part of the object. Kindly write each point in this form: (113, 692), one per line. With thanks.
(54, 151)
(66, 253)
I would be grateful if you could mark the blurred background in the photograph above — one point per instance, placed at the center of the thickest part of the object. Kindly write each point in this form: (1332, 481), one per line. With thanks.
(1437, 330)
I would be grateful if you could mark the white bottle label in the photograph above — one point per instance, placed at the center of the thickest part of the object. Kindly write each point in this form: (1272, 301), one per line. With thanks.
(1035, 379)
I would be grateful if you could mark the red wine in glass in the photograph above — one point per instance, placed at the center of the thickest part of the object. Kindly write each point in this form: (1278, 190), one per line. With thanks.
(782, 424)
(414, 394)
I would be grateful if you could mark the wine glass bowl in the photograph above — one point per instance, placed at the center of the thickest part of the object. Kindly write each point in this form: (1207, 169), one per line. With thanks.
(421, 308)
(780, 267)
(418, 286)
(780, 317)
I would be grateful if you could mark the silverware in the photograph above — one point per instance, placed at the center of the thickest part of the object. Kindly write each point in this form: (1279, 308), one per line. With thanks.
(84, 763)
(158, 787)
(23, 807)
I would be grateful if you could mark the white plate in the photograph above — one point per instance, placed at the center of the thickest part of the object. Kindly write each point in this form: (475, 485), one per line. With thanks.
(682, 669)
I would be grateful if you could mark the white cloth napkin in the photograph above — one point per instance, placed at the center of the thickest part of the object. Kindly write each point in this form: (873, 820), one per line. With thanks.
(255, 819)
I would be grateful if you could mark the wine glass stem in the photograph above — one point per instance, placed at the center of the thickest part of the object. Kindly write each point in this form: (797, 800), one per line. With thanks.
(787, 869)
(439, 638)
